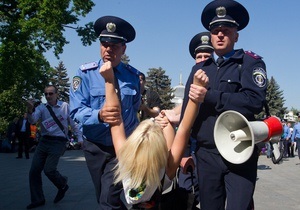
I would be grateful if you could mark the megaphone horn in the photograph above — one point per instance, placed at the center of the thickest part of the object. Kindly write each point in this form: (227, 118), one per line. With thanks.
(235, 136)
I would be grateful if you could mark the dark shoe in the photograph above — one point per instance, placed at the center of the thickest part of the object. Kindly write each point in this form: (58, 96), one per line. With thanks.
(61, 194)
(37, 204)
(27, 157)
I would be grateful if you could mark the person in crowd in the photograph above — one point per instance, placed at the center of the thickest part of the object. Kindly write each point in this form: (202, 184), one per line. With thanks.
(11, 133)
(200, 49)
(238, 82)
(88, 106)
(33, 137)
(55, 120)
(296, 136)
(149, 157)
(23, 134)
(291, 147)
(151, 102)
(285, 137)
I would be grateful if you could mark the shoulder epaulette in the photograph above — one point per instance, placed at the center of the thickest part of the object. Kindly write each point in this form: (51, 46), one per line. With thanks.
(132, 69)
(88, 66)
(253, 54)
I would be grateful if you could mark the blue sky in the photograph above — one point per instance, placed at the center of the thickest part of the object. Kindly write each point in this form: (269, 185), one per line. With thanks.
(165, 28)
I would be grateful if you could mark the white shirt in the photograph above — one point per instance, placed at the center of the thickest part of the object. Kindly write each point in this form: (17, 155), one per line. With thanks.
(147, 193)
(49, 126)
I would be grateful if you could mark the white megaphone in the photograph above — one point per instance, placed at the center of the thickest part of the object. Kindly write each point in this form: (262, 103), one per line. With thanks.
(235, 136)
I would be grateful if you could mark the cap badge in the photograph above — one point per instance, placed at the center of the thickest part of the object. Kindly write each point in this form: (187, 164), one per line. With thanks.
(111, 27)
(221, 12)
(204, 39)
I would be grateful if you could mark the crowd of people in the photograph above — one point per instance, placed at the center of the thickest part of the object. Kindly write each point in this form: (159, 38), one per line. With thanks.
(134, 149)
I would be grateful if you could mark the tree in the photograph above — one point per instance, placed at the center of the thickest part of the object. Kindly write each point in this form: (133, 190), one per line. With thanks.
(27, 30)
(159, 82)
(59, 78)
(275, 100)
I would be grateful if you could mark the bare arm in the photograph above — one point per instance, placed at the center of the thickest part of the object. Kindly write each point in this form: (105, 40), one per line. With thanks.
(112, 101)
(183, 132)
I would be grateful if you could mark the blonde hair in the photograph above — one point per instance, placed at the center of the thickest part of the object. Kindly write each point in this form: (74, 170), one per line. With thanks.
(142, 156)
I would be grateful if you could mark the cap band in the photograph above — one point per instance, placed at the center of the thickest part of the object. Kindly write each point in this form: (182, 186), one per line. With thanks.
(223, 20)
(112, 36)
(203, 47)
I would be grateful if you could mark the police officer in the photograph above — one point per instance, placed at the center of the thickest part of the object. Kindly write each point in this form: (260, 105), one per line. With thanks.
(200, 49)
(238, 81)
(87, 100)
(296, 136)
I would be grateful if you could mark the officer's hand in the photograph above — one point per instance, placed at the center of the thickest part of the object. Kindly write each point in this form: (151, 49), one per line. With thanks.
(161, 119)
(187, 164)
(197, 93)
(172, 116)
(110, 114)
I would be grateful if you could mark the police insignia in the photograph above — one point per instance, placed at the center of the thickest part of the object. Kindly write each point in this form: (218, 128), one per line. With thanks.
(76, 83)
(259, 77)
(204, 39)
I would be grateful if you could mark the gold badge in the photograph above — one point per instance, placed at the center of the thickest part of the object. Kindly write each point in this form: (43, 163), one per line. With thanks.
(111, 27)
(221, 12)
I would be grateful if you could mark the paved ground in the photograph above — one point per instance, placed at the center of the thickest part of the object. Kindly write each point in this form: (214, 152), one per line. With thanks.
(277, 185)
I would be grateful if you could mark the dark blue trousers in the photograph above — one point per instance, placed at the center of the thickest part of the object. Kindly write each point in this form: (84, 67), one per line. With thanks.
(101, 161)
(223, 185)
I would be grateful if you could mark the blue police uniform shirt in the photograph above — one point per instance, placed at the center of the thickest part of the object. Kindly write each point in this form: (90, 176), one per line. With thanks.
(286, 132)
(239, 84)
(296, 132)
(87, 97)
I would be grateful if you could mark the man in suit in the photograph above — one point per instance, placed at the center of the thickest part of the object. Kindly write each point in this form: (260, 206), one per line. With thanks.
(23, 133)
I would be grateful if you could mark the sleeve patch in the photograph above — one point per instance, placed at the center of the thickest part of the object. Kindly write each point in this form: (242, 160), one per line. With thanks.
(76, 83)
(259, 77)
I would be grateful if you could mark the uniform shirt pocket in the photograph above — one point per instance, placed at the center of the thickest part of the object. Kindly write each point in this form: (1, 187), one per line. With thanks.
(97, 97)
(230, 85)
(128, 97)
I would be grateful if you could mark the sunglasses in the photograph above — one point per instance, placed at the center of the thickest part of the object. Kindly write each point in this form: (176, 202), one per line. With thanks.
(50, 94)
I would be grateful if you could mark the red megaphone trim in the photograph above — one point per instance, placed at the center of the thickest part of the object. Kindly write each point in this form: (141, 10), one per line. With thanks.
(275, 127)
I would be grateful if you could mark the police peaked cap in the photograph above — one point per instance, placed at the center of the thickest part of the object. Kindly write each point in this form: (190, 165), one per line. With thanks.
(224, 13)
(114, 29)
(200, 43)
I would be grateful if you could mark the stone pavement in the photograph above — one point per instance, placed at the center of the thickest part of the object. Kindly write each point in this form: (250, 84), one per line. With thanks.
(276, 189)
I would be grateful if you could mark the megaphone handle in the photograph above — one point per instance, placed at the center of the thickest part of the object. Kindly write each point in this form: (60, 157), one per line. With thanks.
(192, 180)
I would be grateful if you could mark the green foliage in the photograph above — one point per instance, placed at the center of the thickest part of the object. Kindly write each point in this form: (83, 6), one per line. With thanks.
(59, 78)
(275, 100)
(295, 111)
(159, 82)
(29, 28)
(11, 106)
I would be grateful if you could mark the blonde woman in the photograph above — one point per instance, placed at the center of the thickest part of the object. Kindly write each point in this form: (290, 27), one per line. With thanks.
(149, 157)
